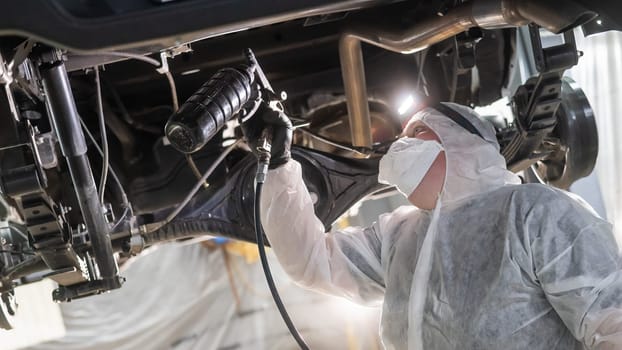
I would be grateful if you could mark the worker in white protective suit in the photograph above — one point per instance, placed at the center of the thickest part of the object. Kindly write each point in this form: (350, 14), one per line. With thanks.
(479, 262)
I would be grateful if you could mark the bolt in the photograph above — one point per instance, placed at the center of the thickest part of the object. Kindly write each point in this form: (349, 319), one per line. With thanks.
(65, 209)
(442, 10)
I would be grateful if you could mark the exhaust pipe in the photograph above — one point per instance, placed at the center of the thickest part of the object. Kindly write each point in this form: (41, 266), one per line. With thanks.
(487, 14)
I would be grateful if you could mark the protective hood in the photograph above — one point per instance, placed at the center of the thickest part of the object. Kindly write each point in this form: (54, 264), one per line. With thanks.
(474, 163)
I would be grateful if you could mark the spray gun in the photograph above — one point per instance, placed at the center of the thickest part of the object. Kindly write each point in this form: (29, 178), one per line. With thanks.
(229, 93)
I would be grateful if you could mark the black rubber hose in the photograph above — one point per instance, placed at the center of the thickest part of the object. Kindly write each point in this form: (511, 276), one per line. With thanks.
(266, 270)
(181, 229)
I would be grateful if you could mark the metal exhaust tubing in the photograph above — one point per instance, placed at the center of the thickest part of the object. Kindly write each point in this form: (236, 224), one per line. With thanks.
(487, 14)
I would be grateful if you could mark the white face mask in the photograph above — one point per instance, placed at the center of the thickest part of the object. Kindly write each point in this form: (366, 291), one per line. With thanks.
(407, 162)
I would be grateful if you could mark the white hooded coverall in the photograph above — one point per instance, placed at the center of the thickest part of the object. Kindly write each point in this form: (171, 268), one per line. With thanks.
(505, 266)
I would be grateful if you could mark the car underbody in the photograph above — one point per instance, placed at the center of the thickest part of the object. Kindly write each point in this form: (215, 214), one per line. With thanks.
(346, 68)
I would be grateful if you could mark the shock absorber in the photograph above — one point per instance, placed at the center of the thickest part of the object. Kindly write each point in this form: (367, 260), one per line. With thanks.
(205, 113)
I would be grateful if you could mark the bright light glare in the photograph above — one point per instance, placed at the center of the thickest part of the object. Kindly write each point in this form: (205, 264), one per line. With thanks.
(599, 22)
(406, 105)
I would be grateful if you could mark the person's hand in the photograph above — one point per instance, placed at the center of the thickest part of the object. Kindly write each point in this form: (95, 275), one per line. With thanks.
(281, 134)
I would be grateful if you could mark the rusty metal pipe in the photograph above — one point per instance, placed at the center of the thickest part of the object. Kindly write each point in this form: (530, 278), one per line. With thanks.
(353, 73)
(420, 36)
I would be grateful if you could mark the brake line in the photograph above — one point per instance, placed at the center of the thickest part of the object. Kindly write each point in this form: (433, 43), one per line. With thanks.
(196, 187)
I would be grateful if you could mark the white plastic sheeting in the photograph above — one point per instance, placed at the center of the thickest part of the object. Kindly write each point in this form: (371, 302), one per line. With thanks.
(37, 319)
(599, 73)
(179, 297)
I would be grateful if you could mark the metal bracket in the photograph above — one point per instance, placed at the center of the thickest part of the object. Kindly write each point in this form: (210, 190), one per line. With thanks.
(536, 102)
(6, 79)
(555, 58)
(81, 290)
(137, 242)
(465, 45)
(171, 53)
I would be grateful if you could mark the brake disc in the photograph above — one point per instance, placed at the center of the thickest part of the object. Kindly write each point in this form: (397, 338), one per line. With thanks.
(575, 155)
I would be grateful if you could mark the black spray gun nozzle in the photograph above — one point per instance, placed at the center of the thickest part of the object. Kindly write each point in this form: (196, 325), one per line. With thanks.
(229, 93)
